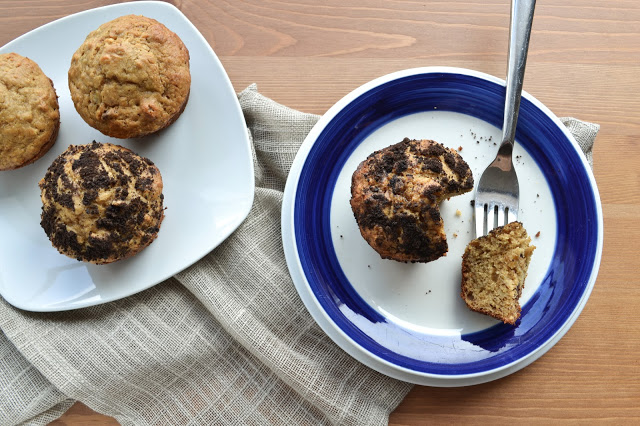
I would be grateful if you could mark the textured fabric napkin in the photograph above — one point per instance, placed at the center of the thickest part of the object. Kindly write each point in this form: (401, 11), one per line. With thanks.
(227, 341)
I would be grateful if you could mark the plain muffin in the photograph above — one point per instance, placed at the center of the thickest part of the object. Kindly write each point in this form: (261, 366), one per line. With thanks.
(29, 112)
(130, 77)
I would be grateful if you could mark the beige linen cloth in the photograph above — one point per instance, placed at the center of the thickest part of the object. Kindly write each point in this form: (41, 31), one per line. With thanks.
(225, 342)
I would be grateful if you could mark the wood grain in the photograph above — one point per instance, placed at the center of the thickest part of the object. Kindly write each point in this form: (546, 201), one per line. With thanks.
(80, 414)
(584, 61)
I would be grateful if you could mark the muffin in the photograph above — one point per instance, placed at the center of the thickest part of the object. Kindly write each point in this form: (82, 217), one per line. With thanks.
(494, 268)
(101, 202)
(130, 77)
(396, 193)
(29, 112)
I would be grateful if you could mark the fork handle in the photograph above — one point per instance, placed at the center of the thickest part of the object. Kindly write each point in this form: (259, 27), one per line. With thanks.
(519, 33)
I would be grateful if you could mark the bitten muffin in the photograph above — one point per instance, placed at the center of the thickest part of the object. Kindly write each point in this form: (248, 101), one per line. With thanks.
(29, 112)
(494, 268)
(130, 77)
(101, 202)
(396, 193)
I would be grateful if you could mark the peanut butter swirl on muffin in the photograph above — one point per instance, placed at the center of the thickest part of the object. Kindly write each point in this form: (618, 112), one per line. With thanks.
(29, 113)
(101, 202)
(130, 77)
(396, 193)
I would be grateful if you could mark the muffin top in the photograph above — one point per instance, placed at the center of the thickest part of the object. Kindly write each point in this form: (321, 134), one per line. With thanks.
(130, 77)
(29, 113)
(396, 194)
(101, 202)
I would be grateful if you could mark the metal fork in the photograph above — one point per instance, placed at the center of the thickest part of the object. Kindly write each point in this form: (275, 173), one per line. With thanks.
(497, 193)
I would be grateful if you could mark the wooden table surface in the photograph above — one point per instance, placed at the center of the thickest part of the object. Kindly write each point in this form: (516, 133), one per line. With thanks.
(584, 61)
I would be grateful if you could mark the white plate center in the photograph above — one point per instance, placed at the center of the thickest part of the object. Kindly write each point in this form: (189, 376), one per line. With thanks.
(426, 297)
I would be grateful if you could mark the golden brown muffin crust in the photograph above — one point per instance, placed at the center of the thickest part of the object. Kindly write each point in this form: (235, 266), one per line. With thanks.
(29, 113)
(101, 202)
(130, 77)
(396, 193)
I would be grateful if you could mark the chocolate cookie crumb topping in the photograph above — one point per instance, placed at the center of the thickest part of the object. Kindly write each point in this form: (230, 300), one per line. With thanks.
(395, 197)
(118, 197)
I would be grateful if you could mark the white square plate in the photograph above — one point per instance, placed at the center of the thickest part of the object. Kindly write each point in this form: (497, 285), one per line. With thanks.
(204, 157)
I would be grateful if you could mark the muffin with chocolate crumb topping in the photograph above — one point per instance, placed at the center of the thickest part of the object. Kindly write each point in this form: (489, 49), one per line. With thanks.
(396, 193)
(101, 202)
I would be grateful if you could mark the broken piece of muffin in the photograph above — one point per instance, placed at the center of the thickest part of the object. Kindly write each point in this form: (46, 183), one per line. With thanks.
(494, 268)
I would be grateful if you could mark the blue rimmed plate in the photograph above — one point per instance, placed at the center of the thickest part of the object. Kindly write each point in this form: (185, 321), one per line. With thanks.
(408, 320)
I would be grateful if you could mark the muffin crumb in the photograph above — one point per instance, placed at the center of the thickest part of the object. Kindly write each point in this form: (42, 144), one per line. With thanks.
(494, 268)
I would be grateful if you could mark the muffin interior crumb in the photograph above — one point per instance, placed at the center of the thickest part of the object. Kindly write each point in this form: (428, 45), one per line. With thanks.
(494, 270)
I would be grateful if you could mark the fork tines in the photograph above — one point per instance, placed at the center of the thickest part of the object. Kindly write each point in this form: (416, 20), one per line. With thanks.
(491, 215)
